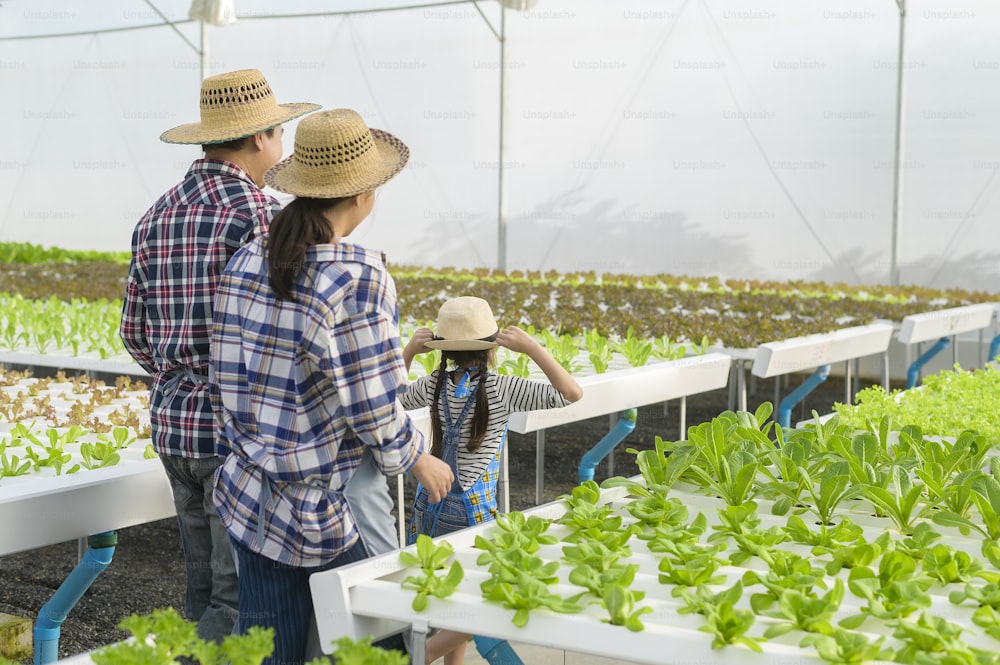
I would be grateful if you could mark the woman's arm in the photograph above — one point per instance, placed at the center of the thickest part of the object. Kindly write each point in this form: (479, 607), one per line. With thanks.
(519, 341)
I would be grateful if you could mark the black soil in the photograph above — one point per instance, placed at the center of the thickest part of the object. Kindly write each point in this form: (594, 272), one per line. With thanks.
(147, 571)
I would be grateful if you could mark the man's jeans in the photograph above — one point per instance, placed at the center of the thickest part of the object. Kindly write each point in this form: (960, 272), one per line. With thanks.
(211, 595)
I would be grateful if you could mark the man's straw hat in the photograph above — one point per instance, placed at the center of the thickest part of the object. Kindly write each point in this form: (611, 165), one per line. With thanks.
(337, 155)
(465, 324)
(235, 105)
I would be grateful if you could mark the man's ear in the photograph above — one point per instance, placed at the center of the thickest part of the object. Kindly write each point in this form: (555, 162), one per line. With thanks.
(258, 141)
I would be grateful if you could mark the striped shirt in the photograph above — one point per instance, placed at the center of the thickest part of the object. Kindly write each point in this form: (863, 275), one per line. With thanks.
(300, 390)
(506, 395)
(179, 250)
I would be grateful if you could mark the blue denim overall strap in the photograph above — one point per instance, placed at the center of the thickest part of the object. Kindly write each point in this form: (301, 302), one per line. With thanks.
(451, 433)
(451, 439)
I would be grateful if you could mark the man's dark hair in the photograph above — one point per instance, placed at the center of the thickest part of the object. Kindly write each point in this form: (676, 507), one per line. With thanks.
(235, 144)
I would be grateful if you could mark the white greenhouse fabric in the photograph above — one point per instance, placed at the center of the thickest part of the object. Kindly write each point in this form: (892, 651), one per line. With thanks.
(702, 137)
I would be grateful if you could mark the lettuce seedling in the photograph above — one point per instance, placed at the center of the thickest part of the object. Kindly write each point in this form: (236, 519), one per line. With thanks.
(947, 565)
(807, 613)
(430, 558)
(843, 647)
(163, 637)
(827, 538)
(361, 652)
(788, 571)
(896, 591)
(862, 554)
(930, 636)
(729, 626)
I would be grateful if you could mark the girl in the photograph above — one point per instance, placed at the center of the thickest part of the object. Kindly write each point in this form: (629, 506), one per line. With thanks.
(306, 367)
(470, 408)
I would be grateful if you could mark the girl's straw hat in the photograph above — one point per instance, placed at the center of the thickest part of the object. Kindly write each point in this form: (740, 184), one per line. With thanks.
(235, 105)
(337, 155)
(465, 324)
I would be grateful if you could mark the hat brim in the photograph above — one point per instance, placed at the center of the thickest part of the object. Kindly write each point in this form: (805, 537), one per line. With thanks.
(460, 344)
(392, 157)
(194, 133)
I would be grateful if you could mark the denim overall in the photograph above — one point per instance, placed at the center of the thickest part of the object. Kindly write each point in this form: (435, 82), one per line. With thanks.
(460, 508)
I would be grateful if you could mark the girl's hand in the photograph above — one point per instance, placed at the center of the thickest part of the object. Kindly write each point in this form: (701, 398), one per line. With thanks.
(417, 343)
(516, 340)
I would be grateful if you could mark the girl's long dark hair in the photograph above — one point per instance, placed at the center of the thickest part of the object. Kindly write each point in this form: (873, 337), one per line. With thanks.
(300, 224)
(480, 413)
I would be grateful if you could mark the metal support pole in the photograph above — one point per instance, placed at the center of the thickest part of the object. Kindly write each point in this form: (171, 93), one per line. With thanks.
(897, 171)
(539, 467)
(502, 172)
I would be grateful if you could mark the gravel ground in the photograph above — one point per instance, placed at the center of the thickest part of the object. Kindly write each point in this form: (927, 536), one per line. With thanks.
(147, 570)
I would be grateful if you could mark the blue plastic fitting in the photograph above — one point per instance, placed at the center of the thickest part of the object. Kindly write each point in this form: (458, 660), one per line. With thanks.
(796, 396)
(496, 652)
(994, 349)
(914, 369)
(53, 613)
(593, 457)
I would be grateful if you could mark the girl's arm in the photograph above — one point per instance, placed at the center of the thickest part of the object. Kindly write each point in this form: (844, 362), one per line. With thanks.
(416, 345)
(519, 341)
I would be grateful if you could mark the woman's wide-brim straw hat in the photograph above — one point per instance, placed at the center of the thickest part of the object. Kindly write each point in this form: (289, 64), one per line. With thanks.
(465, 324)
(235, 105)
(337, 155)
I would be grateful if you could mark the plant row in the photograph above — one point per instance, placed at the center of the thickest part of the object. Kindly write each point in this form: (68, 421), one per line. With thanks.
(28, 253)
(810, 573)
(78, 326)
(735, 314)
(61, 426)
(84, 327)
(944, 403)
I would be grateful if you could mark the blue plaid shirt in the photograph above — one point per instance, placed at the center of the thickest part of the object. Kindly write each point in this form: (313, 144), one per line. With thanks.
(179, 249)
(300, 389)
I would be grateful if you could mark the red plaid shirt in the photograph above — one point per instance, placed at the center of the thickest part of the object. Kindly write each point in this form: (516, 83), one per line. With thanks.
(180, 248)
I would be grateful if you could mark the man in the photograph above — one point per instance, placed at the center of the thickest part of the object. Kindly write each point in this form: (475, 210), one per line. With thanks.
(179, 250)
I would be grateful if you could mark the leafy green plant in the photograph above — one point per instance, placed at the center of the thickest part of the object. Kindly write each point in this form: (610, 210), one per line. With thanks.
(361, 652)
(947, 565)
(163, 637)
(844, 647)
(728, 625)
(985, 494)
(98, 455)
(827, 537)
(897, 590)
(612, 585)
(806, 612)
(903, 502)
(635, 349)
(520, 581)
(861, 554)
(787, 571)
(430, 558)
(929, 635)
(599, 350)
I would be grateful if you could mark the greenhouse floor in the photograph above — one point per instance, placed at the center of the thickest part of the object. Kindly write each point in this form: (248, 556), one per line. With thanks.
(147, 571)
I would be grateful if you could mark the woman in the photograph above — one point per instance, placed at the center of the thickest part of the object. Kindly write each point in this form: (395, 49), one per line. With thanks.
(306, 365)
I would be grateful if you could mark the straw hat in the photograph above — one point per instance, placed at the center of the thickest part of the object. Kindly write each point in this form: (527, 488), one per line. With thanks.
(235, 105)
(337, 155)
(465, 324)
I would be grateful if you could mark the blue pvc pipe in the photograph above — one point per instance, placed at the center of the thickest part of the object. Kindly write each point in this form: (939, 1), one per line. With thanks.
(914, 370)
(593, 457)
(796, 396)
(994, 349)
(496, 652)
(53, 613)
